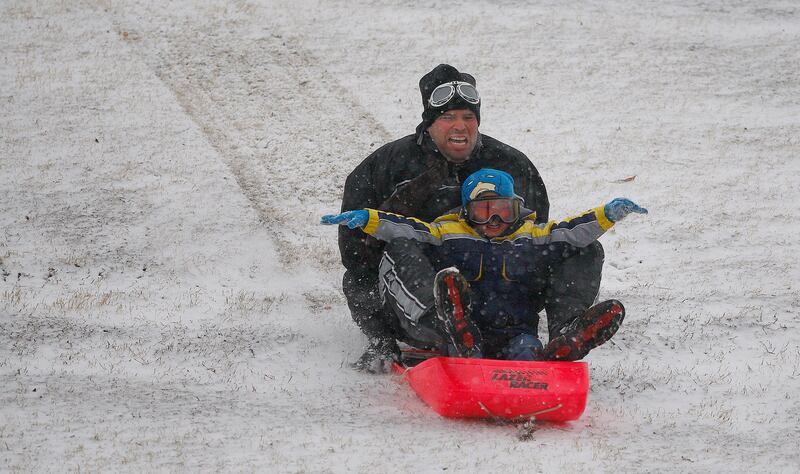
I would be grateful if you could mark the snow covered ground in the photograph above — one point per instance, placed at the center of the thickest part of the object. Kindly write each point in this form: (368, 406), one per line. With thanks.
(169, 303)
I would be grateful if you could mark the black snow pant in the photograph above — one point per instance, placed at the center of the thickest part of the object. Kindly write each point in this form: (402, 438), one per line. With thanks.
(405, 281)
(406, 276)
(364, 301)
(573, 287)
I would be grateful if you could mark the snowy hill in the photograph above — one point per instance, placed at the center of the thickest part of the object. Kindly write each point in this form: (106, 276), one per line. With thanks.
(169, 303)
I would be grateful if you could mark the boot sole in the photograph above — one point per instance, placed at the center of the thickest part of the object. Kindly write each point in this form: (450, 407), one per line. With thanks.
(601, 328)
(459, 330)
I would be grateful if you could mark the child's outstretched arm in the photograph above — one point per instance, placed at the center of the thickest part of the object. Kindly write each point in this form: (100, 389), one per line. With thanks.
(584, 229)
(386, 226)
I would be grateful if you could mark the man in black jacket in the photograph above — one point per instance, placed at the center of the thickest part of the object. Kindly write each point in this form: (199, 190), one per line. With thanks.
(420, 175)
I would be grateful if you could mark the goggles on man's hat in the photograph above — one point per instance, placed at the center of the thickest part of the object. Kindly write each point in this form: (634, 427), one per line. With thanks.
(444, 93)
(453, 90)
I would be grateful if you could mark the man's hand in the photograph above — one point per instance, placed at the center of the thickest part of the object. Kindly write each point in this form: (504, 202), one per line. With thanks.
(618, 208)
(351, 219)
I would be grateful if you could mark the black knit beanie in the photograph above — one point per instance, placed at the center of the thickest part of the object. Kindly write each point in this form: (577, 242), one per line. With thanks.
(439, 75)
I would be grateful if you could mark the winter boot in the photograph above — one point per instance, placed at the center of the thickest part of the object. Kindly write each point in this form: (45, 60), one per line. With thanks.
(453, 308)
(378, 357)
(596, 326)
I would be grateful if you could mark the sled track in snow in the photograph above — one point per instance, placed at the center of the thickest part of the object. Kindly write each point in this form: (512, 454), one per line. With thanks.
(249, 88)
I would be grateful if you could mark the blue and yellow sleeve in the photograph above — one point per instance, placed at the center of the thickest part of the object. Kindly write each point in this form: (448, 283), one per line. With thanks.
(579, 231)
(387, 226)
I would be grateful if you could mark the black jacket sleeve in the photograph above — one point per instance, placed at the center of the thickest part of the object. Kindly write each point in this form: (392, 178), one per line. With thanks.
(360, 253)
(535, 193)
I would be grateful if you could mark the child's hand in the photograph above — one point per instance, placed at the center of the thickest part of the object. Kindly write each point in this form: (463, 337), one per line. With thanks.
(352, 219)
(618, 208)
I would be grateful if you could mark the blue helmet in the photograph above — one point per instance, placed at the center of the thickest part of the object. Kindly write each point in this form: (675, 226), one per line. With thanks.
(487, 179)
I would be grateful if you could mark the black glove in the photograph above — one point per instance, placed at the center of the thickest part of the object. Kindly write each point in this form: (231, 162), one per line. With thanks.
(378, 357)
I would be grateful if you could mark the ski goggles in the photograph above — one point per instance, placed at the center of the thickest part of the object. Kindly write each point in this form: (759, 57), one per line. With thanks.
(445, 92)
(482, 211)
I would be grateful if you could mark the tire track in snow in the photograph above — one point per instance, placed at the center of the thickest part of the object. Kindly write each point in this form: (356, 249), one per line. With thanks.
(282, 124)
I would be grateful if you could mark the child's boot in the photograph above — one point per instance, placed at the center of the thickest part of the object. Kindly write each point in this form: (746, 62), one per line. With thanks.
(596, 326)
(453, 308)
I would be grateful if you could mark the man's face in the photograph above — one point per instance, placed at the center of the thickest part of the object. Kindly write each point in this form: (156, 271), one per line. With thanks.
(455, 134)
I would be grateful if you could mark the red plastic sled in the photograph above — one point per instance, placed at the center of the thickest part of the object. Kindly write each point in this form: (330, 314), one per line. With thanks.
(484, 388)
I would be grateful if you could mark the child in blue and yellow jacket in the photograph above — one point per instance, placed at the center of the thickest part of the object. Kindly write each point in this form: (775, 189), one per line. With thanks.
(465, 282)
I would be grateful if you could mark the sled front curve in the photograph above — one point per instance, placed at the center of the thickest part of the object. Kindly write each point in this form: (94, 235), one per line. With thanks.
(487, 388)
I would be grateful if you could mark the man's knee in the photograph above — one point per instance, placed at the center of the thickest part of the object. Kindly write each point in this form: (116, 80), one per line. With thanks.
(589, 258)
(582, 272)
(573, 287)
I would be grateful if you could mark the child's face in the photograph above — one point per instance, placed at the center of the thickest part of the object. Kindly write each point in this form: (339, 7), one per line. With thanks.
(492, 229)
(485, 208)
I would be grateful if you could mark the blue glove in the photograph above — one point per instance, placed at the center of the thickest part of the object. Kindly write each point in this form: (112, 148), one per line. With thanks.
(352, 219)
(618, 208)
